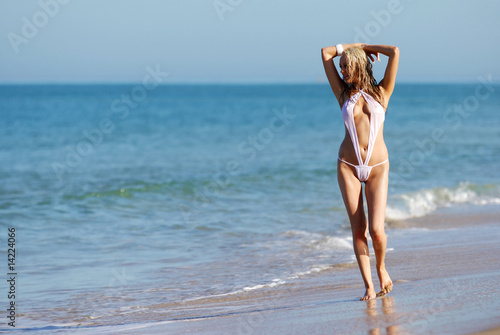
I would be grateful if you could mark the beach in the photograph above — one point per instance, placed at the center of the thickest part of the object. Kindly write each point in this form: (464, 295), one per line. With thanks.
(215, 209)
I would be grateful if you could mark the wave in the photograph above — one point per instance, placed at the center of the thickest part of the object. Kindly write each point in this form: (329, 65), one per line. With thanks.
(423, 202)
(278, 281)
(319, 242)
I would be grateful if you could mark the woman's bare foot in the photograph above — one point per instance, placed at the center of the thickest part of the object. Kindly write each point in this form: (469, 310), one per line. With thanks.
(369, 294)
(385, 281)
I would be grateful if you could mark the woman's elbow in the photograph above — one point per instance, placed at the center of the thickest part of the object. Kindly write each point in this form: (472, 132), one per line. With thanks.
(395, 51)
(325, 54)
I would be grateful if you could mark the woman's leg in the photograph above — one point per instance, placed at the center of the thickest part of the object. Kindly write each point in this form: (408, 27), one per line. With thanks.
(352, 194)
(376, 198)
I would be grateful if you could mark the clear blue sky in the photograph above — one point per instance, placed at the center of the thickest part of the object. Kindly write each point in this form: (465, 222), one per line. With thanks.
(240, 40)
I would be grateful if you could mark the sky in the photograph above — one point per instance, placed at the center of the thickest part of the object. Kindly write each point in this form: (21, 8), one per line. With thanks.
(241, 41)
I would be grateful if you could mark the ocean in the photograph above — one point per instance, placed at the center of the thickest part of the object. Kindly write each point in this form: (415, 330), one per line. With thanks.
(127, 202)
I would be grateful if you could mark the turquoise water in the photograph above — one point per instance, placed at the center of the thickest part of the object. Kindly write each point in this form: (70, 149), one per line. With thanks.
(200, 190)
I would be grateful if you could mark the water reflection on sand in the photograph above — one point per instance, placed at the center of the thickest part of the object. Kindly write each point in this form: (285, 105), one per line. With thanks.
(381, 313)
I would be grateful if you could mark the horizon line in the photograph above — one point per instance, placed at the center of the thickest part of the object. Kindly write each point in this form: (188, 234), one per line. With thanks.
(235, 83)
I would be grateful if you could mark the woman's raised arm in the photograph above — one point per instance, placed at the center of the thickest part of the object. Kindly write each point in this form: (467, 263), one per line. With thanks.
(336, 83)
(389, 80)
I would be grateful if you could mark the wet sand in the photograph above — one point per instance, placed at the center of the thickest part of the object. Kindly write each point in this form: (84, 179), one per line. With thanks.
(445, 282)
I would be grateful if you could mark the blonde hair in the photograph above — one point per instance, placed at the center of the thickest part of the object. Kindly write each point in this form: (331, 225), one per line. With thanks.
(360, 69)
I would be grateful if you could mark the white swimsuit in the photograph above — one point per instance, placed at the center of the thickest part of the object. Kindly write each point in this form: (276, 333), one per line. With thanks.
(377, 117)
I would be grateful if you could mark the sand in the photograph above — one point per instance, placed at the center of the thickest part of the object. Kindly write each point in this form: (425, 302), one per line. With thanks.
(446, 281)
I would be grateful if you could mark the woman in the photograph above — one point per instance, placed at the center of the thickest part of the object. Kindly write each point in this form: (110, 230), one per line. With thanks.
(363, 156)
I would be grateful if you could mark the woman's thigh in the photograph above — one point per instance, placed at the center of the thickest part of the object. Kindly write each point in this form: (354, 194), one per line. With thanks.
(376, 195)
(351, 190)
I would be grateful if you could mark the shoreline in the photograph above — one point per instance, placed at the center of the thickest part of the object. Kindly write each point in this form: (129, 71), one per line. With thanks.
(439, 286)
(444, 270)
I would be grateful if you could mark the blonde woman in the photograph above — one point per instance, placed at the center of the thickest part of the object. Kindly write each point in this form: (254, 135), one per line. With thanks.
(363, 156)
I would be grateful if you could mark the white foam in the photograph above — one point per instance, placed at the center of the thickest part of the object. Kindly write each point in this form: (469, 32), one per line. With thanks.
(314, 269)
(423, 202)
(320, 242)
(274, 283)
(494, 201)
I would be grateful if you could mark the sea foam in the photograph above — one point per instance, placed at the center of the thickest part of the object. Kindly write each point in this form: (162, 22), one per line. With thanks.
(426, 201)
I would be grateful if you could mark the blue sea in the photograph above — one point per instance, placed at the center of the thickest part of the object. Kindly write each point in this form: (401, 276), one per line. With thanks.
(125, 201)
